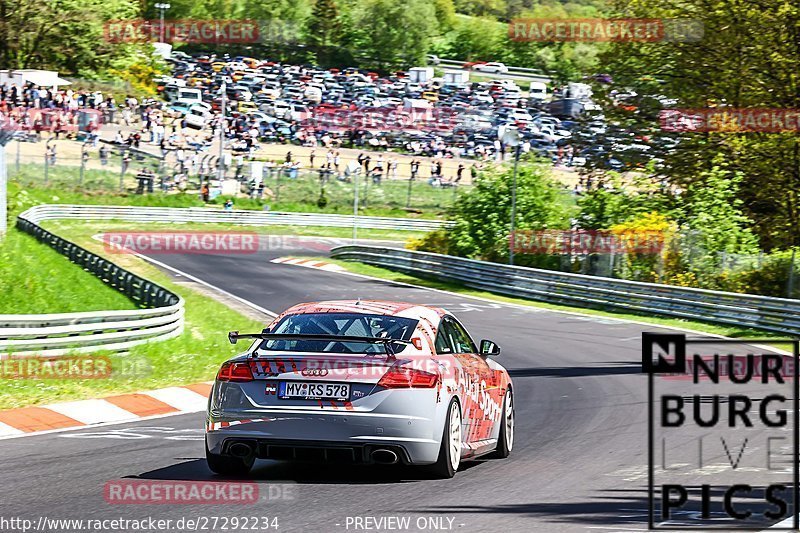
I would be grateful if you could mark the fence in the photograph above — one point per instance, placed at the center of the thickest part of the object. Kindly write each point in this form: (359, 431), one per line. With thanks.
(107, 167)
(58, 334)
(772, 314)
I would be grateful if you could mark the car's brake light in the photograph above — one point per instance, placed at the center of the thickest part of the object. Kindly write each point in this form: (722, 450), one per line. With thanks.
(408, 378)
(232, 371)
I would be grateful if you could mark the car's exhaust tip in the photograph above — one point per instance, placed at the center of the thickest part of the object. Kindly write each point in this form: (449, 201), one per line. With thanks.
(241, 450)
(384, 456)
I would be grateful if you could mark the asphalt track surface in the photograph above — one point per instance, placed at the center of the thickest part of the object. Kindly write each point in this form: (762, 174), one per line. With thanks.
(579, 461)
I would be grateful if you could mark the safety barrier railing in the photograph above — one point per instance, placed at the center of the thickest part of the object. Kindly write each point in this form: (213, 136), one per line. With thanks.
(780, 315)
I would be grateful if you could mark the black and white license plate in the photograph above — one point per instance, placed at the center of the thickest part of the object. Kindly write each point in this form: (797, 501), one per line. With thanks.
(318, 390)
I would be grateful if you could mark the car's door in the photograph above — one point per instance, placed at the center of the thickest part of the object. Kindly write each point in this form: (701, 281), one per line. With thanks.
(485, 392)
(479, 408)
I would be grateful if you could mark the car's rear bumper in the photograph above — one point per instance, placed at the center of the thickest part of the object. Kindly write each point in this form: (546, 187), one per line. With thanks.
(346, 436)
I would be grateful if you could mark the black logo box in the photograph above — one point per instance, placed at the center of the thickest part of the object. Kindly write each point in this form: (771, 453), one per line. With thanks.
(665, 353)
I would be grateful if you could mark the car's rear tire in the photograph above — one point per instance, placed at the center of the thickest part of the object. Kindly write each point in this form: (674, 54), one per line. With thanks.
(450, 450)
(227, 465)
(505, 439)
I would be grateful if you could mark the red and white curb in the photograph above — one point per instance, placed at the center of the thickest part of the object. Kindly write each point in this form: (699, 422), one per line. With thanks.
(113, 409)
(308, 263)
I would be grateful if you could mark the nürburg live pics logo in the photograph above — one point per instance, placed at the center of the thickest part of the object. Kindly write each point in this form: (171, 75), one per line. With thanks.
(722, 433)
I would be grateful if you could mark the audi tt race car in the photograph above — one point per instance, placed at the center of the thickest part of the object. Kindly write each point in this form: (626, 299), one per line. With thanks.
(363, 382)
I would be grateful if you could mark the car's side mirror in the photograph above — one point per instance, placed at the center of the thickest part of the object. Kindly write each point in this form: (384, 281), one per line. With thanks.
(489, 348)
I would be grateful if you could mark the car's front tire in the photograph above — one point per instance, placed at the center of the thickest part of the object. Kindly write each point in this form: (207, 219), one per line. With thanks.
(450, 450)
(227, 465)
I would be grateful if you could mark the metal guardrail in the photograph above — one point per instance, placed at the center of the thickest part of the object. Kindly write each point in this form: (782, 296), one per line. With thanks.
(242, 217)
(59, 334)
(779, 315)
(529, 73)
(162, 316)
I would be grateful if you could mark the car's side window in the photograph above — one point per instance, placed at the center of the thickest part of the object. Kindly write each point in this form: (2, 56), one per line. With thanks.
(460, 338)
(443, 340)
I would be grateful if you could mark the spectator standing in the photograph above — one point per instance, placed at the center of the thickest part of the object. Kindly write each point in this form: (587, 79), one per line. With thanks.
(414, 168)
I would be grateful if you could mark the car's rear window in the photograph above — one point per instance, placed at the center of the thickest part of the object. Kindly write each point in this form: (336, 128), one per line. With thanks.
(349, 324)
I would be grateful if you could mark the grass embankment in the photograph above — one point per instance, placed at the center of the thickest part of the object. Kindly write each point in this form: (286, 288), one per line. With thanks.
(35, 279)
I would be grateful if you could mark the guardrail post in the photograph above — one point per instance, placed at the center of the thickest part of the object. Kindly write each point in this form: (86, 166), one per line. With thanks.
(84, 159)
(355, 206)
(278, 184)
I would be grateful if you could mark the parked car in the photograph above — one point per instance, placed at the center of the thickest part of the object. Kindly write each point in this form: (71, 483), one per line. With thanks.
(491, 67)
(197, 115)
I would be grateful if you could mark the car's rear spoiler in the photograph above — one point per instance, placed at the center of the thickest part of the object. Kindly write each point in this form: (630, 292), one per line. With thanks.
(234, 337)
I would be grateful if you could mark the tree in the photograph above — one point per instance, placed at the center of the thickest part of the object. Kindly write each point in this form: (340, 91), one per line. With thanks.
(392, 33)
(65, 35)
(482, 215)
(324, 26)
(714, 214)
(748, 56)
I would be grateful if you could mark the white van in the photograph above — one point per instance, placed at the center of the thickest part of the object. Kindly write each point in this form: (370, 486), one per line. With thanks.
(189, 97)
(538, 90)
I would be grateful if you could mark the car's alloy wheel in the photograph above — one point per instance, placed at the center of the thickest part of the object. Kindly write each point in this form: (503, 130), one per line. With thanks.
(509, 421)
(455, 436)
(450, 448)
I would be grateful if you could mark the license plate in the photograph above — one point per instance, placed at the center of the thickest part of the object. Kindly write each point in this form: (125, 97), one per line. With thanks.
(319, 390)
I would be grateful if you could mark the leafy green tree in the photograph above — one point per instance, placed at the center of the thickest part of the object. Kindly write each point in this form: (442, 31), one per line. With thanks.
(617, 201)
(747, 56)
(65, 35)
(714, 216)
(474, 38)
(324, 26)
(482, 214)
(393, 33)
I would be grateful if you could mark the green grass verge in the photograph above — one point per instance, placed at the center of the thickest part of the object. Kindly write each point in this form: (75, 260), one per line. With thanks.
(35, 279)
(703, 327)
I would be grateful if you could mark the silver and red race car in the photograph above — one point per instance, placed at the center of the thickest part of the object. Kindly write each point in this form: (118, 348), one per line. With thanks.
(367, 382)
